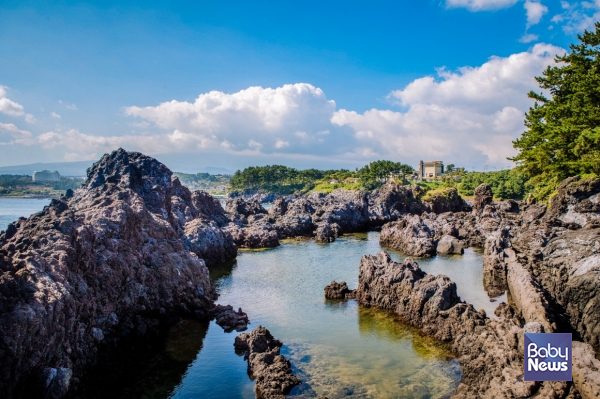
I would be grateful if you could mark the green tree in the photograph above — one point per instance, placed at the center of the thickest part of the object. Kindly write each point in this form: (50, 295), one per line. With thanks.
(563, 137)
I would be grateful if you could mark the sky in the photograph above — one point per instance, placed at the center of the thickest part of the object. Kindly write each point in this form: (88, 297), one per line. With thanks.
(305, 84)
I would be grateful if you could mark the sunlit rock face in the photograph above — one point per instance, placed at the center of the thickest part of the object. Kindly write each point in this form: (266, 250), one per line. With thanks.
(117, 257)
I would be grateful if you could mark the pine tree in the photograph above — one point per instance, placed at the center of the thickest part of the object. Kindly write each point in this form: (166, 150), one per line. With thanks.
(563, 136)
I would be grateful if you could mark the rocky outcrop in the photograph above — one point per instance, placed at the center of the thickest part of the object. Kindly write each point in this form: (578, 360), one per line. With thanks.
(494, 263)
(259, 235)
(410, 236)
(271, 371)
(229, 319)
(122, 255)
(392, 201)
(252, 195)
(483, 196)
(492, 364)
(445, 200)
(327, 232)
(337, 290)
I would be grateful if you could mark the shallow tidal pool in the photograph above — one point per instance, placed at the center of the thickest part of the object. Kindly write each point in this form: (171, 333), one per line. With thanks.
(338, 349)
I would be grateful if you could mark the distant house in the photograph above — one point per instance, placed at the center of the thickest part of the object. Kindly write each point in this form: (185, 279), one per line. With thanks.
(45, 175)
(333, 181)
(430, 170)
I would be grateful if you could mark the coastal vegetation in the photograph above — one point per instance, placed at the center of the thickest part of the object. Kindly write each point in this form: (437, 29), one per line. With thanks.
(203, 181)
(563, 126)
(23, 185)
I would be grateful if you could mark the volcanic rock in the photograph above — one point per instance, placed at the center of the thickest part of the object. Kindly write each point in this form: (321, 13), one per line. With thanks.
(117, 259)
(410, 236)
(483, 196)
(229, 319)
(448, 245)
(337, 290)
(271, 371)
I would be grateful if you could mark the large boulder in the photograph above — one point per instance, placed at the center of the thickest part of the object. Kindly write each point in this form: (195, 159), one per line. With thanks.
(449, 245)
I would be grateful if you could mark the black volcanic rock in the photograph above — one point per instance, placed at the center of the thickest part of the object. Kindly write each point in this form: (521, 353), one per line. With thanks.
(118, 258)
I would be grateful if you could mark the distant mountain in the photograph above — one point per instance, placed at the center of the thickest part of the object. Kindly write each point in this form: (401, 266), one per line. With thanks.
(215, 171)
(64, 168)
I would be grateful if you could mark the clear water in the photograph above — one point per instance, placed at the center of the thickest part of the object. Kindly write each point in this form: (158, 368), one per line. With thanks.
(13, 208)
(338, 349)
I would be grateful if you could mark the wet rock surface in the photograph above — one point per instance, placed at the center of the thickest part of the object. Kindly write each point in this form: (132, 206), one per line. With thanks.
(118, 257)
(272, 371)
(491, 363)
(337, 290)
(229, 319)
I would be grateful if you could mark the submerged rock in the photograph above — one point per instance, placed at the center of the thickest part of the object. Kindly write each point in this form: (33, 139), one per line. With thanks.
(125, 253)
(229, 319)
(272, 371)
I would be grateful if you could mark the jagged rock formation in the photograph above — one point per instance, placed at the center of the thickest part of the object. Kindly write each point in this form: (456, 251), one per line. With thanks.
(410, 236)
(118, 257)
(272, 371)
(483, 196)
(337, 290)
(229, 319)
(492, 364)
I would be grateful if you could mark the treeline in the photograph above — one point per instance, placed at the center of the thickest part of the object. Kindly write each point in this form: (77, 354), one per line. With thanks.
(285, 180)
(505, 184)
(278, 178)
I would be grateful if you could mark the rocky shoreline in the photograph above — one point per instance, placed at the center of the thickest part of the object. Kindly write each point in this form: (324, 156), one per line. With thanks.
(129, 252)
(546, 259)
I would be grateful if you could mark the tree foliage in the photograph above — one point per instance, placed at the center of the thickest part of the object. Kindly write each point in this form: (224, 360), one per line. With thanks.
(563, 128)
(505, 184)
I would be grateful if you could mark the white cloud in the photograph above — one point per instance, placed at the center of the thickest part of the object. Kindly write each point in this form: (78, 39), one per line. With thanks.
(252, 118)
(30, 118)
(528, 38)
(8, 106)
(534, 11)
(469, 116)
(55, 115)
(480, 5)
(578, 16)
(18, 136)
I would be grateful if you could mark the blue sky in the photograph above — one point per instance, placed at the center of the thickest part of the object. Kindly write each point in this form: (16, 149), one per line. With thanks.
(231, 84)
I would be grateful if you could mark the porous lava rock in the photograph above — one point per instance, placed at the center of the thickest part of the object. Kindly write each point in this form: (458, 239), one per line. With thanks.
(409, 235)
(482, 196)
(337, 290)
(118, 257)
(229, 319)
(271, 370)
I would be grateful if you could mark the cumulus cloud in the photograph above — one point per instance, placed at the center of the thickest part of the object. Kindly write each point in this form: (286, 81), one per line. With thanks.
(468, 116)
(17, 136)
(480, 5)
(249, 119)
(8, 106)
(55, 115)
(471, 115)
(534, 11)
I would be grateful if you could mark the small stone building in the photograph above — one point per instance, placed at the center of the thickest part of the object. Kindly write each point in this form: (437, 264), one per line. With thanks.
(430, 170)
(45, 175)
